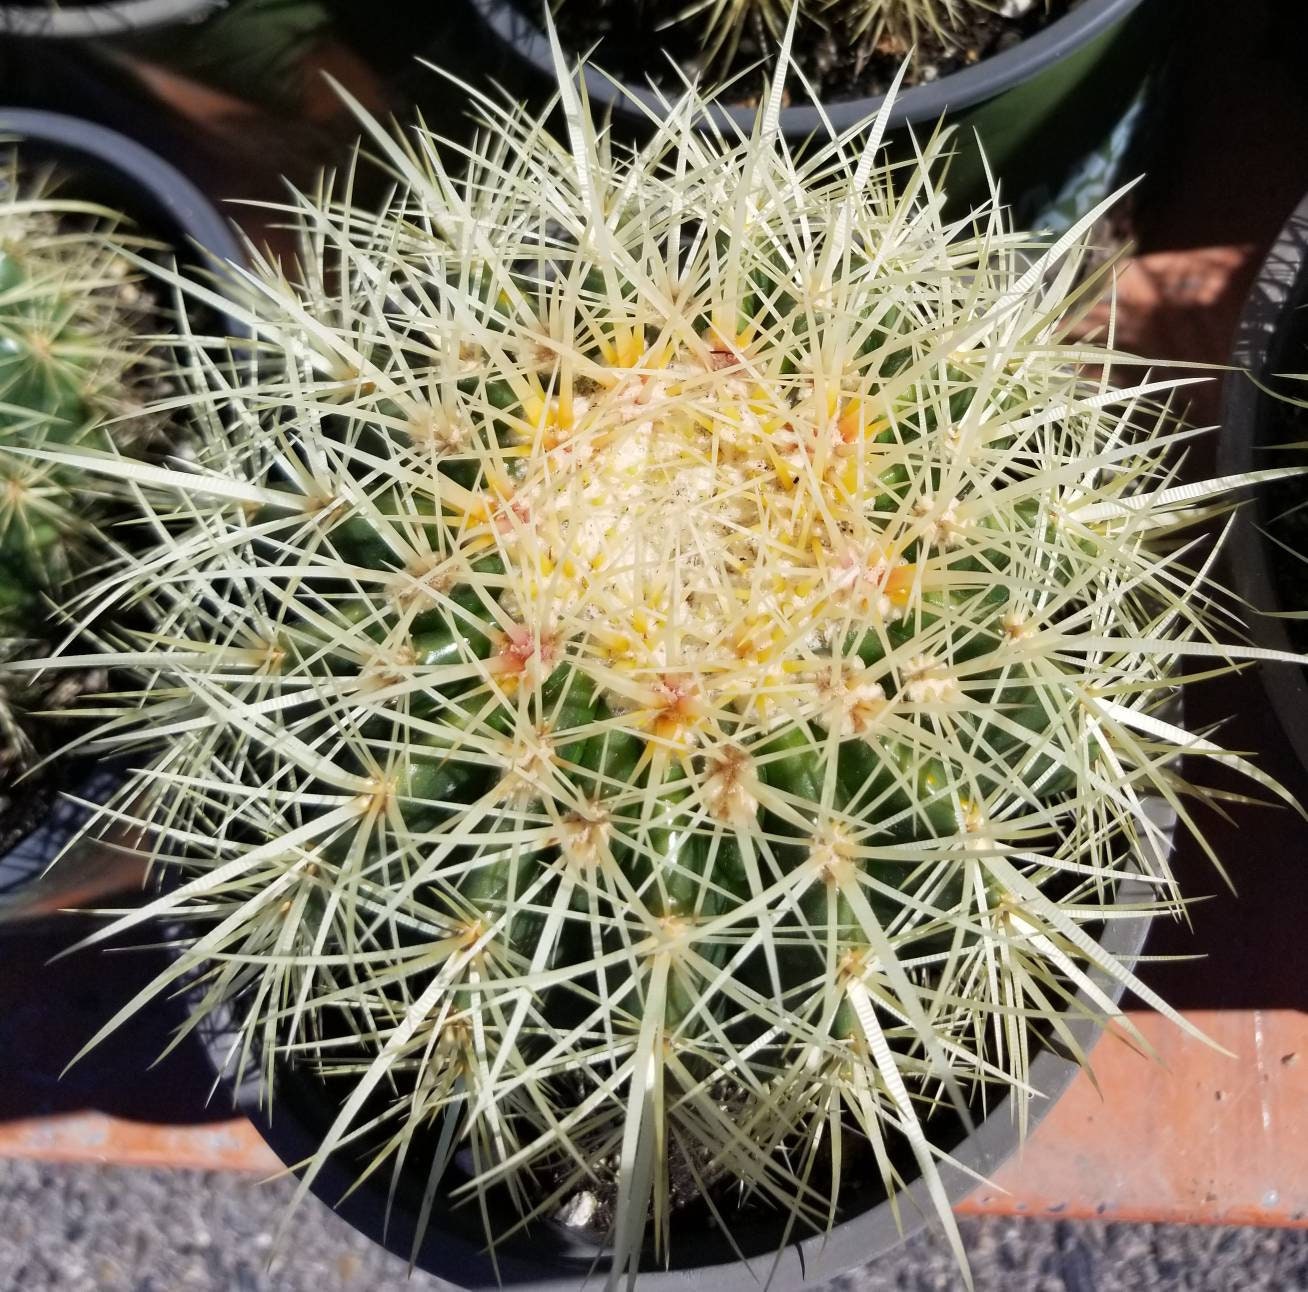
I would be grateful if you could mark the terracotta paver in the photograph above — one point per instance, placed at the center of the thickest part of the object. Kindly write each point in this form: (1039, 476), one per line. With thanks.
(99, 1137)
(1193, 1135)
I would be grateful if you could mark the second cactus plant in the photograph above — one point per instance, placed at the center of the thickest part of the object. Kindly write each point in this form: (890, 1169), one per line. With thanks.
(890, 27)
(72, 362)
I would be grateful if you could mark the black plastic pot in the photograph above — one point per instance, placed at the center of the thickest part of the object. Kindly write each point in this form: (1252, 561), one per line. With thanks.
(100, 166)
(29, 892)
(1272, 339)
(53, 20)
(552, 1258)
(1057, 115)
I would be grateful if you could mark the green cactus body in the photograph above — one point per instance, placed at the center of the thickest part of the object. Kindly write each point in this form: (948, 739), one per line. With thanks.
(67, 316)
(698, 624)
(41, 400)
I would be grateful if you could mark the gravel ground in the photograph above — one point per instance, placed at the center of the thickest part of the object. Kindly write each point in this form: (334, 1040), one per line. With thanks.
(117, 1229)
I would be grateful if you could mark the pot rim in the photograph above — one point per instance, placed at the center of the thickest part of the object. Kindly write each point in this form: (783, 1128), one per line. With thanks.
(920, 103)
(196, 218)
(1260, 334)
(89, 21)
(801, 1264)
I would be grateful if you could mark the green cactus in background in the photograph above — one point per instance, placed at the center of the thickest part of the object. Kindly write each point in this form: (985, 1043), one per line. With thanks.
(69, 314)
(659, 667)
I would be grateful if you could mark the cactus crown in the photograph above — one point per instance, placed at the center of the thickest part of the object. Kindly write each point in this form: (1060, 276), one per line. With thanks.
(662, 656)
(69, 346)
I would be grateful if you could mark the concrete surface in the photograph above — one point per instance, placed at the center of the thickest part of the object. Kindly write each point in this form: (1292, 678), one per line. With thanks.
(114, 1229)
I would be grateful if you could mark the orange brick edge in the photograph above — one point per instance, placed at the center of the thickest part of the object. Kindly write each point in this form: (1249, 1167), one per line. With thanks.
(1193, 1136)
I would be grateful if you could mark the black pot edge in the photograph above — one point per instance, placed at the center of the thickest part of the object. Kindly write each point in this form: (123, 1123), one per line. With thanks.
(165, 187)
(805, 1264)
(212, 240)
(26, 861)
(1256, 339)
(918, 104)
(91, 22)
